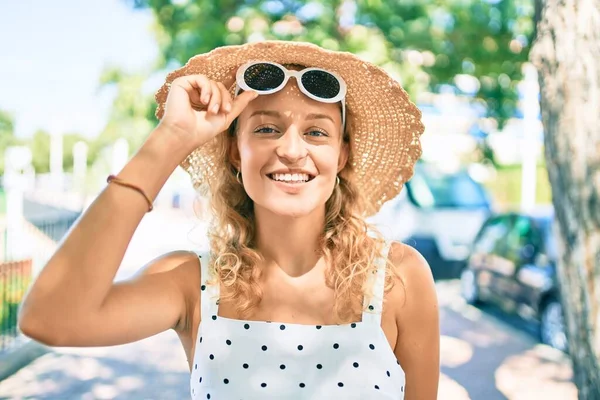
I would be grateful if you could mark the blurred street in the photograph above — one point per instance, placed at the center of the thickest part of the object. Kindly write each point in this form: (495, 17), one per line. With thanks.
(483, 357)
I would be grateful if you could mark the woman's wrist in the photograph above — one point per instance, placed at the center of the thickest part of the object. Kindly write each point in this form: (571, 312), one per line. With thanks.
(166, 146)
(153, 163)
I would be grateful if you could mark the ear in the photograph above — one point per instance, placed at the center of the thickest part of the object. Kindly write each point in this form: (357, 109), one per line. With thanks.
(343, 158)
(234, 153)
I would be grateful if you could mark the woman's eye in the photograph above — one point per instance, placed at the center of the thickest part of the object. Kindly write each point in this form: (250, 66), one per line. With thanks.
(266, 129)
(317, 133)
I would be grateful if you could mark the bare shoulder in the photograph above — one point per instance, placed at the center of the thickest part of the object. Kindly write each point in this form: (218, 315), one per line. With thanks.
(175, 261)
(414, 287)
(408, 262)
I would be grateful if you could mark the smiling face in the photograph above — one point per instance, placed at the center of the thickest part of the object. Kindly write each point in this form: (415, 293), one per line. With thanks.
(289, 150)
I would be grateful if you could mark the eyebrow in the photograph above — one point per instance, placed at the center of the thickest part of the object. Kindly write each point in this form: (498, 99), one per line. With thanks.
(276, 114)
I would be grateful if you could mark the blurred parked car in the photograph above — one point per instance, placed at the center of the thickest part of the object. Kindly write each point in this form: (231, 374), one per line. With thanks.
(439, 214)
(513, 265)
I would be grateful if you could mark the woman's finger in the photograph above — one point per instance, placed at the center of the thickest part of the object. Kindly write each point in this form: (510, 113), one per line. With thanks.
(225, 98)
(196, 86)
(239, 103)
(215, 100)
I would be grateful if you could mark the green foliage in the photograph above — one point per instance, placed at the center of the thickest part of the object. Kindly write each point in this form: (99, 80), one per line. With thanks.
(485, 39)
(424, 43)
(506, 187)
(7, 135)
(132, 114)
(12, 291)
(39, 144)
(69, 141)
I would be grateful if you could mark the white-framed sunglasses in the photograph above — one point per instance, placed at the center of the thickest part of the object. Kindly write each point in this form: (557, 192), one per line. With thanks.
(265, 77)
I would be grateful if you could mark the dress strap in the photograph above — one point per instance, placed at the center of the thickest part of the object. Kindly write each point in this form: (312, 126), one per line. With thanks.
(374, 305)
(209, 294)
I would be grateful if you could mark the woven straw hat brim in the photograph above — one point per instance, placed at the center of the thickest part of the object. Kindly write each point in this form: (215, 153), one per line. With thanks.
(385, 142)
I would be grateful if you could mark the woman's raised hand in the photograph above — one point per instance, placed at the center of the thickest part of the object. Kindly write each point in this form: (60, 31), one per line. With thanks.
(197, 109)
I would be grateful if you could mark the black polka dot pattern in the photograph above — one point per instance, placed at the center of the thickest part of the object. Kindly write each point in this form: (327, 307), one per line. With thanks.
(237, 359)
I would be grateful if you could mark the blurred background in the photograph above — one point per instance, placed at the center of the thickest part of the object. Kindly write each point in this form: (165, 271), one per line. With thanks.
(77, 81)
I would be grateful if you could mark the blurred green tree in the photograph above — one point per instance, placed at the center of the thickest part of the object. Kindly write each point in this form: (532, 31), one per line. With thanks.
(132, 115)
(476, 46)
(69, 141)
(39, 144)
(7, 135)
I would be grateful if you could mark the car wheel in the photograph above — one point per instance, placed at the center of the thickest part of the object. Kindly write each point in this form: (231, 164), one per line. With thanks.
(468, 286)
(552, 326)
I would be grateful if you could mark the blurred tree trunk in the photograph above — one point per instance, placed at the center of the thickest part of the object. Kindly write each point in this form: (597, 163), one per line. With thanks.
(567, 55)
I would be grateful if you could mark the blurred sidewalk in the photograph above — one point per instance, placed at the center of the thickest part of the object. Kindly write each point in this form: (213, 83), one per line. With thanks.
(482, 357)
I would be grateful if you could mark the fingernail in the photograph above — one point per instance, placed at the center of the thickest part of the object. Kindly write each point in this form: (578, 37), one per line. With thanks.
(205, 99)
(227, 107)
(215, 108)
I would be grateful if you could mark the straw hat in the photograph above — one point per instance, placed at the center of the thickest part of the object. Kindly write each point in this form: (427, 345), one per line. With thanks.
(384, 141)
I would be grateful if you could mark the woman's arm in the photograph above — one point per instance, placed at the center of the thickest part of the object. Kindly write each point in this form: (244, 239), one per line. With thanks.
(73, 301)
(418, 344)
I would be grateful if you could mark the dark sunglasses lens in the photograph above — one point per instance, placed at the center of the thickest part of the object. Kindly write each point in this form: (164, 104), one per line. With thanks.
(263, 77)
(321, 84)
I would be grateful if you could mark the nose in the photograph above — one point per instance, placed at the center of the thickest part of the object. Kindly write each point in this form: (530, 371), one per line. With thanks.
(291, 146)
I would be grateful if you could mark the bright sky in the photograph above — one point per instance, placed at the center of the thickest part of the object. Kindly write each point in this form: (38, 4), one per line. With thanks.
(53, 52)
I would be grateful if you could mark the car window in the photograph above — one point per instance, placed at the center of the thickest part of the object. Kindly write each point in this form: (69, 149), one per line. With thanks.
(491, 237)
(524, 239)
(429, 189)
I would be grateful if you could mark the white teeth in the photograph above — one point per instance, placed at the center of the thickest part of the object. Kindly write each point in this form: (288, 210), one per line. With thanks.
(290, 177)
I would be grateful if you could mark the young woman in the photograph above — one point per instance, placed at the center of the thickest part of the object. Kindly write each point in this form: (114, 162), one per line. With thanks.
(298, 298)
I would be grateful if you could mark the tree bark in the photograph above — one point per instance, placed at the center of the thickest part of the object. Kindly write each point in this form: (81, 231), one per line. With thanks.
(567, 56)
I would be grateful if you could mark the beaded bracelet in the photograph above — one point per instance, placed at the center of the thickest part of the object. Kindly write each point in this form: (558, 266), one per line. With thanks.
(118, 181)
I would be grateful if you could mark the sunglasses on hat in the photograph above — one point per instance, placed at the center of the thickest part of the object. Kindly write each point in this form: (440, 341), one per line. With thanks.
(266, 77)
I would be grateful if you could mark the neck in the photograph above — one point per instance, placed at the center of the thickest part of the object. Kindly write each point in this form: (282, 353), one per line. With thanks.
(289, 243)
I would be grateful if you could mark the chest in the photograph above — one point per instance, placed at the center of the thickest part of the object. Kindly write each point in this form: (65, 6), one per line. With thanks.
(310, 302)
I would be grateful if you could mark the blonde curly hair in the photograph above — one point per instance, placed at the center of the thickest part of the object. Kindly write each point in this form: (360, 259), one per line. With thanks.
(350, 245)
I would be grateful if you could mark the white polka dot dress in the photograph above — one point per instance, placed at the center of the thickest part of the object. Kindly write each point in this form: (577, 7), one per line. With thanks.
(251, 360)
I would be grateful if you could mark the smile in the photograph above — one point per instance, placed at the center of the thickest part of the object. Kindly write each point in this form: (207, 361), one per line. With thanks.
(291, 178)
